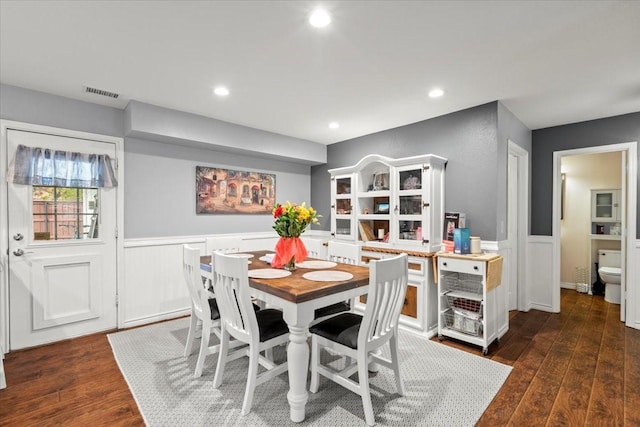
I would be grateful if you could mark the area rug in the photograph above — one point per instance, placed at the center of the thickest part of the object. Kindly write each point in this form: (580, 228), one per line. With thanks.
(443, 386)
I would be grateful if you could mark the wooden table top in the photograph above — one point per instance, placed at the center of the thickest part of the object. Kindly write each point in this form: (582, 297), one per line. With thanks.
(296, 288)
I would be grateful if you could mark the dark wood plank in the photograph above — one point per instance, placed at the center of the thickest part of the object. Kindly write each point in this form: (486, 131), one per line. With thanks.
(578, 367)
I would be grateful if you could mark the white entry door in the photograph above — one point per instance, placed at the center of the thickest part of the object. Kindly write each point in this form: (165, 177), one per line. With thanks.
(62, 252)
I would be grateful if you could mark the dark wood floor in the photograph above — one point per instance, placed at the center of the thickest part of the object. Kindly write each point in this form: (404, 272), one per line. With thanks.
(579, 367)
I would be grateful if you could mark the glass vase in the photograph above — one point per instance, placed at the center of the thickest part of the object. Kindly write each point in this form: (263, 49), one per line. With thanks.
(291, 265)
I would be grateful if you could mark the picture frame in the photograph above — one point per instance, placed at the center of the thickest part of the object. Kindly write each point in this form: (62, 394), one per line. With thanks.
(229, 191)
(380, 181)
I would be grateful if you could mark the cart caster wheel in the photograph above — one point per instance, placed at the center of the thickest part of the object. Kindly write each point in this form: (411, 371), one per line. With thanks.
(440, 337)
(485, 351)
(498, 341)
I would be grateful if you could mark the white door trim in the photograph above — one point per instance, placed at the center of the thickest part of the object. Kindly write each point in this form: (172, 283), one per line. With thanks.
(629, 182)
(5, 125)
(523, 220)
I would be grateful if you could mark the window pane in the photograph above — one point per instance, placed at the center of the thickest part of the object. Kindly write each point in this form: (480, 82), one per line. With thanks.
(64, 213)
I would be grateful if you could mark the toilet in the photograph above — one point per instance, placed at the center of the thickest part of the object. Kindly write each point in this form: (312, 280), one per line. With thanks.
(609, 263)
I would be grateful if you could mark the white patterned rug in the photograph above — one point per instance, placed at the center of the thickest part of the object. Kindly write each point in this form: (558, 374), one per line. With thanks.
(443, 386)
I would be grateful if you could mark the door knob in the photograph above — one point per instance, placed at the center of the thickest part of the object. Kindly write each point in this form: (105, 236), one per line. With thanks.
(18, 237)
(20, 252)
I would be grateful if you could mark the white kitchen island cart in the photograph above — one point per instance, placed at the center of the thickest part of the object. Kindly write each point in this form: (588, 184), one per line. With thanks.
(472, 304)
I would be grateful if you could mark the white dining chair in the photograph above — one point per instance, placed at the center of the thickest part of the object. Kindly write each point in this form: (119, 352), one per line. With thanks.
(346, 253)
(225, 244)
(204, 309)
(359, 338)
(261, 330)
(315, 248)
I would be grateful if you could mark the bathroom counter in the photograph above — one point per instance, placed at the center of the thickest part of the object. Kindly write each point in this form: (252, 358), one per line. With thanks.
(606, 237)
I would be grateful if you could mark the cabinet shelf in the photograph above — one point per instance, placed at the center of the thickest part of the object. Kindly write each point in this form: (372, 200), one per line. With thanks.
(374, 217)
(462, 294)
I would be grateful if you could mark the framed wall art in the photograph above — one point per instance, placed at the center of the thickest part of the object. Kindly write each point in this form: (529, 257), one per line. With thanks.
(227, 191)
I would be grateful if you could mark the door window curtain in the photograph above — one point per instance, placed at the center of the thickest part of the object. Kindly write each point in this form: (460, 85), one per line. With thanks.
(42, 166)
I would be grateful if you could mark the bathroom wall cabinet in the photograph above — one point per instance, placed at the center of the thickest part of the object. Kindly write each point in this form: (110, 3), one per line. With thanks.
(605, 205)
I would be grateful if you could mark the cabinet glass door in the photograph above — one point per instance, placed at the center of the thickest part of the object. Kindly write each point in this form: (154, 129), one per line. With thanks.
(409, 204)
(342, 224)
(604, 205)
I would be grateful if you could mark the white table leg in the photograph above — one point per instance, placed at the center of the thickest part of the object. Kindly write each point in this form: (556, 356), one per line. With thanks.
(298, 359)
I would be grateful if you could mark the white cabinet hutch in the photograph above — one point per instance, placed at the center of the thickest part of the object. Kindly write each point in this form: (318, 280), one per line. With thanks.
(391, 206)
(390, 202)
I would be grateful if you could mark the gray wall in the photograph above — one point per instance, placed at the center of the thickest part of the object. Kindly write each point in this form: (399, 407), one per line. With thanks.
(24, 105)
(161, 199)
(612, 130)
(468, 138)
(509, 128)
(160, 177)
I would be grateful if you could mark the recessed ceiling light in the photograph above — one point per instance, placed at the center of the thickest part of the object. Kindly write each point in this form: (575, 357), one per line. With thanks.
(436, 93)
(319, 18)
(334, 125)
(221, 91)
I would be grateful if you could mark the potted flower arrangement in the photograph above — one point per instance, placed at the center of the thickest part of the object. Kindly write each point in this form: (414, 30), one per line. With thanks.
(291, 221)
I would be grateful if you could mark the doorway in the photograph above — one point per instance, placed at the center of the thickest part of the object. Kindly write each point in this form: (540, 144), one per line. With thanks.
(628, 152)
(61, 279)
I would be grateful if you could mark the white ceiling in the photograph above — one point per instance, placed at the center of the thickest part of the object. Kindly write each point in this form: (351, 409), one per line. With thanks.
(550, 63)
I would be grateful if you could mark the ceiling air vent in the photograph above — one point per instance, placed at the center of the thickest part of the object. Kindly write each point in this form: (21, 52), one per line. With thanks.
(101, 92)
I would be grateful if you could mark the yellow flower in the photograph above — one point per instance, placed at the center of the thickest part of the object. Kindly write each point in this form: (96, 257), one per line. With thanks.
(291, 220)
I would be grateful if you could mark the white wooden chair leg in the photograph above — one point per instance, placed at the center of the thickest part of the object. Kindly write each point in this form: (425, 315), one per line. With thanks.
(393, 344)
(204, 350)
(373, 366)
(222, 359)
(363, 380)
(252, 379)
(193, 324)
(315, 357)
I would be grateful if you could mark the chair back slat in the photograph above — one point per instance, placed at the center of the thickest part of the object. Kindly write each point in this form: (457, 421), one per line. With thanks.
(346, 253)
(222, 244)
(388, 280)
(193, 279)
(231, 286)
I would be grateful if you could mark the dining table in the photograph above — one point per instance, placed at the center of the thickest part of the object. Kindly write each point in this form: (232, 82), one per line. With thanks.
(312, 285)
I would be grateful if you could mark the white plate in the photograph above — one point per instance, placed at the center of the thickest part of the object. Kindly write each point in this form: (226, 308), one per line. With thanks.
(267, 258)
(268, 273)
(327, 276)
(233, 254)
(316, 264)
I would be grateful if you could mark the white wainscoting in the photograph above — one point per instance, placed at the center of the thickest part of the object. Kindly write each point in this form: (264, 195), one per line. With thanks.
(633, 288)
(154, 288)
(541, 286)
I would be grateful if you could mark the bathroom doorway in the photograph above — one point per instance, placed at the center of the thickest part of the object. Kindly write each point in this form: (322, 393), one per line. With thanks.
(582, 169)
(581, 236)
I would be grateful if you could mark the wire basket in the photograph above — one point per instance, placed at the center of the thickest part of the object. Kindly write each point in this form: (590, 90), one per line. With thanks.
(462, 282)
(461, 323)
(580, 280)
